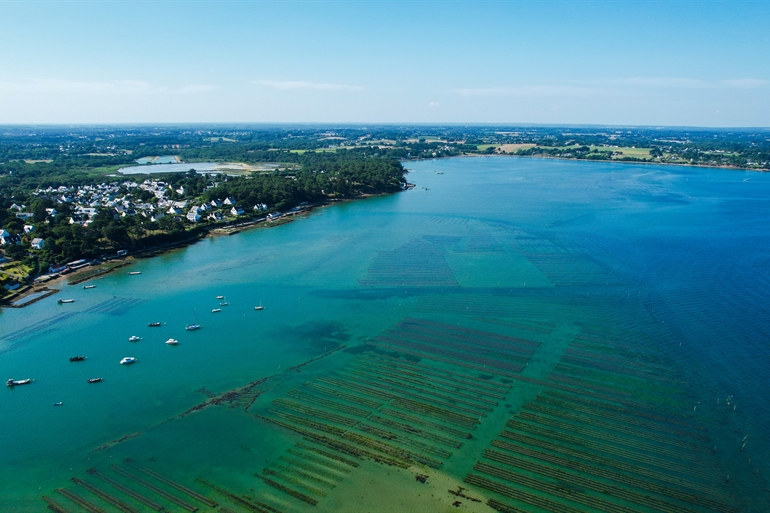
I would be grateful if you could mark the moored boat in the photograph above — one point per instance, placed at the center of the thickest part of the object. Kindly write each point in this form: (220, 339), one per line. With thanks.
(63, 301)
(193, 327)
(153, 324)
(78, 358)
(172, 341)
(215, 310)
(94, 380)
(260, 307)
(58, 404)
(134, 273)
(134, 338)
(220, 297)
(89, 286)
(128, 360)
(17, 382)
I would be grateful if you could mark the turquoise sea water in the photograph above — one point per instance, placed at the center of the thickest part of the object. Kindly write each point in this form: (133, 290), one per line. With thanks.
(610, 320)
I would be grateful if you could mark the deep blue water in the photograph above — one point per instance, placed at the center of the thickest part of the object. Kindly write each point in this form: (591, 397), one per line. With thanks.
(669, 261)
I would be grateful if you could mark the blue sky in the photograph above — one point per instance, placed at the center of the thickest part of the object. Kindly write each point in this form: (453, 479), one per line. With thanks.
(590, 62)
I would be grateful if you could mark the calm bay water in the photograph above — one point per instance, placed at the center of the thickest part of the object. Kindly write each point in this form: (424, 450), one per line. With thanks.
(642, 291)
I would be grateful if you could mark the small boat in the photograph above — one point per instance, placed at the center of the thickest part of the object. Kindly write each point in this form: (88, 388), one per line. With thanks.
(215, 310)
(94, 380)
(89, 286)
(77, 358)
(153, 324)
(58, 404)
(134, 273)
(195, 325)
(172, 341)
(127, 360)
(260, 307)
(14, 383)
(134, 338)
(62, 301)
(220, 297)
(223, 303)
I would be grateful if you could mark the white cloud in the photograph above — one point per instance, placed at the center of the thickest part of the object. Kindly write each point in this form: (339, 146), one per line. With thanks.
(107, 87)
(433, 105)
(616, 87)
(746, 83)
(532, 91)
(301, 84)
(691, 83)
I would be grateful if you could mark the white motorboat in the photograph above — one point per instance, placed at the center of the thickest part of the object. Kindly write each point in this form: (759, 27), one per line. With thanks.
(134, 338)
(17, 382)
(172, 341)
(260, 307)
(62, 301)
(89, 286)
(128, 360)
(220, 297)
(216, 310)
(134, 273)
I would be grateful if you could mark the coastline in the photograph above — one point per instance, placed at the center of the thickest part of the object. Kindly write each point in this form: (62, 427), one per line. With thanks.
(680, 164)
(80, 277)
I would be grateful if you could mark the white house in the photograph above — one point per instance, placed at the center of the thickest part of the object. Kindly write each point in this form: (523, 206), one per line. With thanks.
(174, 211)
(236, 211)
(230, 201)
(25, 215)
(216, 203)
(193, 216)
(38, 243)
(28, 228)
(6, 238)
(216, 216)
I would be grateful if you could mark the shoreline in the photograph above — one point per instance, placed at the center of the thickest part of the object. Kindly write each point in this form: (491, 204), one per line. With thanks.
(155, 251)
(618, 161)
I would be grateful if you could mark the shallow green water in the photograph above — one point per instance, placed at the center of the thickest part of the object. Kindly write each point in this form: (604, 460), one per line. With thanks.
(659, 272)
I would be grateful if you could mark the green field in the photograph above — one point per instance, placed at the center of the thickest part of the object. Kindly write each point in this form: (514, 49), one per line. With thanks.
(640, 153)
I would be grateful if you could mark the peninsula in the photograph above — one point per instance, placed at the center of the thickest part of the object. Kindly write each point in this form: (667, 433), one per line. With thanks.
(64, 199)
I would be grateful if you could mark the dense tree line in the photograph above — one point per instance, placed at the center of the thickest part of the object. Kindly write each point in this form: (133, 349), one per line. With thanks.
(321, 176)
